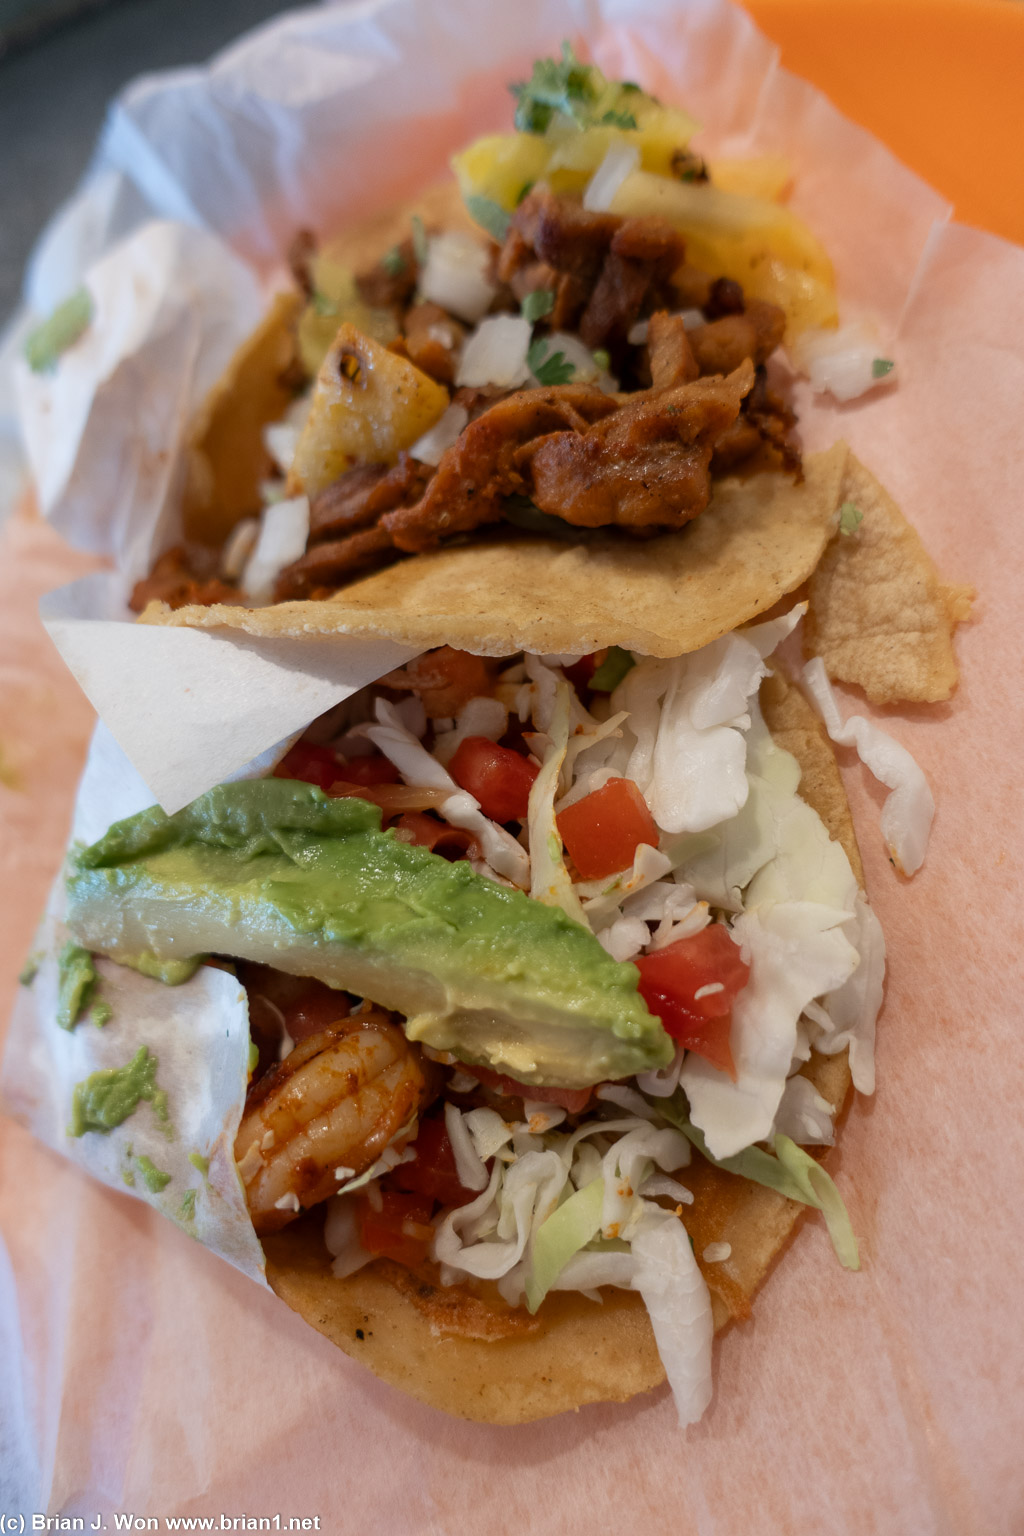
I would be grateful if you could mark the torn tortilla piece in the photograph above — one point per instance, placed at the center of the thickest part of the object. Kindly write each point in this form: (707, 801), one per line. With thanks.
(760, 538)
(880, 617)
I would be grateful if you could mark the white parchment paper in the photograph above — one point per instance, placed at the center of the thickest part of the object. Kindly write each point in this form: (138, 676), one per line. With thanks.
(889, 1401)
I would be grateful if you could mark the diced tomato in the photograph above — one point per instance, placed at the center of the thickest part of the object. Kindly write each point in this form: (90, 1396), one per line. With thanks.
(446, 679)
(313, 765)
(580, 673)
(434, 1172)
(400, 1230)
(500, 779)
(603, 830)
(672, 979)
(572, 1100)
(376, 769)
(425, 831)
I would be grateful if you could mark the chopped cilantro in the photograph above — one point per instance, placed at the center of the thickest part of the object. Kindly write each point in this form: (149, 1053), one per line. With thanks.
(556, 85)
(615, 119)
(393, 262)
(29, 971)
(602, 359)
(323, 305)
(69, 321)
(850, 517)
(524, 191)
(545, 369)
(881, 366)
(419, 240)
(489, 215)
(612, 670)
(100, 1013)
(538, 304)
(153, 1177)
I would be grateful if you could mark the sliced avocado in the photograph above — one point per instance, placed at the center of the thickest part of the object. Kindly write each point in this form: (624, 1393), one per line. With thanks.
(275, 871)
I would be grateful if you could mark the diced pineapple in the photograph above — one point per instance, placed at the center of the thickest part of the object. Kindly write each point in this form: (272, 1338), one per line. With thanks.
(765, 176)
(501, 166)
(335, 300)
(661, 132)
(368, 404)
(761, 244)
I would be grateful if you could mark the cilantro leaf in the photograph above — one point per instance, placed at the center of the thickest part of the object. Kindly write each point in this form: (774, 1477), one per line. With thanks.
(556, 85)
(881, 366)
(69, 321)
(393, 262)
(489, 215)
(537, 304)
(615, 119)
(548, 370)
(850, 517)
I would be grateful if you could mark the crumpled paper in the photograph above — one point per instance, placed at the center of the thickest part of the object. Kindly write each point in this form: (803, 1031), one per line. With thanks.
(198, 1032)
(890, 1400)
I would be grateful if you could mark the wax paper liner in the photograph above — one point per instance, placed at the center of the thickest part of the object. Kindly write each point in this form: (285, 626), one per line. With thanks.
(889, 1401)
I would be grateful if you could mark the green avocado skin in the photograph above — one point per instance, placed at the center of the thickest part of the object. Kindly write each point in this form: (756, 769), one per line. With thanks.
(274, 870)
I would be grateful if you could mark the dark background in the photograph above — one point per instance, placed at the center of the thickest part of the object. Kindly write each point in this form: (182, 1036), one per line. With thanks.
(60, 64)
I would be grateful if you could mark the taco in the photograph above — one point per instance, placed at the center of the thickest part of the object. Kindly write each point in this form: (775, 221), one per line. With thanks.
(563, 357)
(540, 1085)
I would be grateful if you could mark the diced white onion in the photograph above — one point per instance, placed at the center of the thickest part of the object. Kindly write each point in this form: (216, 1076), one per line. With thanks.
(455, 275)
(617, 164)
(495, 353)
(240, 545)
(429, 448)
(840, 362)
(284, 529)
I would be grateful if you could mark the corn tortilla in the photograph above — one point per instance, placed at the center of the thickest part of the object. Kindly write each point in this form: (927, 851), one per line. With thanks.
(579, 1352)
(880, 616)
(760, 538)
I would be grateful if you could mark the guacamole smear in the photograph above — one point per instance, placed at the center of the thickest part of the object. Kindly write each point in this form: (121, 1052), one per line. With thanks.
(105, 1099)
(153, 1177)
(276, 871)
(76, 980)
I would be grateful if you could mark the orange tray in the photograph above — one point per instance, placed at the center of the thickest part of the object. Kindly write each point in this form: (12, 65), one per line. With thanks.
(941, 82)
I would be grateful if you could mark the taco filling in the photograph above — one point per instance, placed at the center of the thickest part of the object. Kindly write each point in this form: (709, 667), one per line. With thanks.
(552, 973)
(580, 344)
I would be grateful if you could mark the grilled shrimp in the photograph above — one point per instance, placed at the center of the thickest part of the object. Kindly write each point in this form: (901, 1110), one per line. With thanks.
(335, 1102)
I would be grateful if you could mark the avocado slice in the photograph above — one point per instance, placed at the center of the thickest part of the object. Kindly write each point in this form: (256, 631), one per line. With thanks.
(276, 871)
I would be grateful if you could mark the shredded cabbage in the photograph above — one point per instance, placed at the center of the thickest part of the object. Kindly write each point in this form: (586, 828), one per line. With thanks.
(678, 1303)
(909, 809)
(549, 878)
(565, 1231)
(792, 1172)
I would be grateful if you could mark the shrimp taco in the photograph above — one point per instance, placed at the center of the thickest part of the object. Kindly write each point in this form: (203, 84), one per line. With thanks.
(554, 968)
